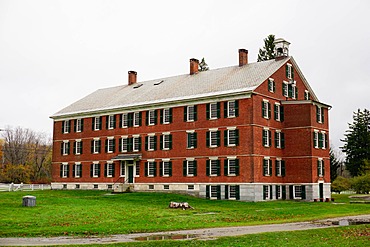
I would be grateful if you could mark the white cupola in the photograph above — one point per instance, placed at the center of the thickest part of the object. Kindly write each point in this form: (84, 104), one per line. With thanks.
(281, 48)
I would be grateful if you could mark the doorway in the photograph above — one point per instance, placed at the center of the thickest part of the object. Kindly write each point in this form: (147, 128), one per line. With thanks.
(130, 171)
(321, 190)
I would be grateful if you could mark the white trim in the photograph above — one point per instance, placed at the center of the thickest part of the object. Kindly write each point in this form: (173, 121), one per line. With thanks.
(213, 129)
(190, 131)
(190, 159)
(96, 138)
(110, 137)
(213, 158)
(95, 162)
(231, 128)
(231, 157)
(166, 160)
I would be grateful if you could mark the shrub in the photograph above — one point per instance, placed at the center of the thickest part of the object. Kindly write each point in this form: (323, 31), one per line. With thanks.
(340, 184)
(361, 184)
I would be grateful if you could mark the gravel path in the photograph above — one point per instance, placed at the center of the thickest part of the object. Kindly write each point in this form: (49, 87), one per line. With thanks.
(207, 233)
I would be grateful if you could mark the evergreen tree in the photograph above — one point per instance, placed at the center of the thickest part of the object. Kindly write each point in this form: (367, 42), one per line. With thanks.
(334, 165)
(203, 66)
(267, 52)
(357, 142)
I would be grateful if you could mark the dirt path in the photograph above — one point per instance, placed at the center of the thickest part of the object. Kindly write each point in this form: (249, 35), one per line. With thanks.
(207, 233)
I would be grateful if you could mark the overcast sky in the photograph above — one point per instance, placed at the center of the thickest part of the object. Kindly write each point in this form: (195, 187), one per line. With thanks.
(53, 53)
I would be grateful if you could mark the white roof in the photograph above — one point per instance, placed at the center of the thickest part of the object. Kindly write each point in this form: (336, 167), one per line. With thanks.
(228, 80)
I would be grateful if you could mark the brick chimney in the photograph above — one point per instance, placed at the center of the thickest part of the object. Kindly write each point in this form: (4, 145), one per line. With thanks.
(243, 57)
(194, 64)
(132, 77)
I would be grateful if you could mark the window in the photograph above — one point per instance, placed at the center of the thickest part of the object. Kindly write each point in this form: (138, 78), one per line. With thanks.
(213, 110)
(95, 146)
(166, 116)
(292, 90)
(122, 170)
(306, 95)
(96, 186)
(189, 168)
(266, 109)
(137, 169)
(285, 89)
(280, 168)
(231, 167)
(297, 192)
(231, 137)
(166, 141)
(266, 137)
(151, 142)
(213, 192)
(150, 168)
(111, 122)
(109, 145)
(166, 168)
(66, 126)
(64, 170)
(166, 187)
(124, 120)
(213, 167)
(320, 167)
(77, 147)
(232, 192)
(124, 144)
(278, 191)
(97, 123)
(320, 139)
(77, 170)
(78, 125)
(213, 138)
(316, 139)
(289, 71)
(136, 143)
(319, 114)
(279, 139)
(278, 112)
(95, 170)
(77, 186)
(109, 186)
(267, 167)
(231, 109)
(190, 113)
(271, 85)
(151, 117)
(109, 170)
(190, 187)
(137, 119)
(151, 186)
(191, 139)
(266, 192)
(65, 147)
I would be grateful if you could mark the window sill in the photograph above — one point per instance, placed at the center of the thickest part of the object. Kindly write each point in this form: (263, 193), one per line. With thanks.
(190, 148)
(191, 176)
(231, 145)
(231, 116)
(231, 175)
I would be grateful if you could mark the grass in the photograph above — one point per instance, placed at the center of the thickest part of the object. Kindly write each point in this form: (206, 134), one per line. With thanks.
(85, 213)
(343, 236)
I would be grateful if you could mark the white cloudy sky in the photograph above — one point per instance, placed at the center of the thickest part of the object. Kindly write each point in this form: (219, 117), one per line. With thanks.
(53, 53)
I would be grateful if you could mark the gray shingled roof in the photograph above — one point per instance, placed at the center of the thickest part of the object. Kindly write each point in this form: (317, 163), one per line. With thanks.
(207, 83)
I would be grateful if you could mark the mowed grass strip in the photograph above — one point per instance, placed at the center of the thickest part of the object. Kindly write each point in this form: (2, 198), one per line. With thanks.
(102, 213)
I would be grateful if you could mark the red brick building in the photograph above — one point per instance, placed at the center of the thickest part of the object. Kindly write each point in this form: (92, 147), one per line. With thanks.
(252, 132)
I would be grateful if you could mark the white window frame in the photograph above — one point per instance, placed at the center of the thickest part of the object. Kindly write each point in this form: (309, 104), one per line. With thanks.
(109, 169)
(213, 138)
(110, 143)
(151, 117)
(323, 140)
(278, 191)
(166, 141)
(67, 127)
(278, 107)
(124, 144)
(97, 124)
(271, 85)
(122, 170)
(189, 162)
(77, 170)
(95, 142)
(78, 125)
(165, 168)
(124, 120)
(213, 167)
(231, 164)
(135, 143)
(166, 115)
(320, 111)
(78, 146)
(278, 135)
(64, 170)
(136, 119)
(190, 113)
(269, 168)
(231, 109)
(306, 95)
(297, 192)
(213, 110)
(151, 142)
(151, 165)
(266, 107)
(65, 147)
(111, 121)
(231, 130)
(232, 192)
(213, 191)
(286, 91)
(316, 138)
(267, 144)
(266, 193)
(190, 145)
(95, 170)
(278, 167)
(321, 169)
(289, 71)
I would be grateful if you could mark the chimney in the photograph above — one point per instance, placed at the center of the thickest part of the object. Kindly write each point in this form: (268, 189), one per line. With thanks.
(132, 77)
(194, 64)
(243, 57)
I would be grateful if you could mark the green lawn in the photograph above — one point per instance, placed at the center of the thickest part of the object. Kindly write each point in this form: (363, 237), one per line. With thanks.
(101, 213)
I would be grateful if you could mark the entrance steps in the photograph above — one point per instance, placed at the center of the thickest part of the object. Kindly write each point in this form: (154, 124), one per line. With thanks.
(123, 188)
